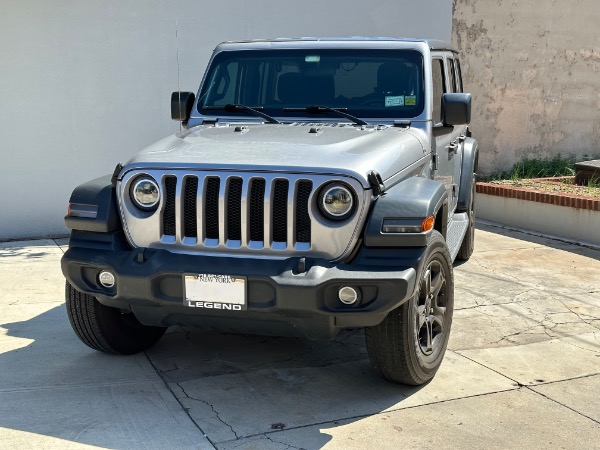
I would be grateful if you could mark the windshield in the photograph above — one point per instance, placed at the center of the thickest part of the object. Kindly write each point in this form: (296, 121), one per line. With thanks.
(362, 82)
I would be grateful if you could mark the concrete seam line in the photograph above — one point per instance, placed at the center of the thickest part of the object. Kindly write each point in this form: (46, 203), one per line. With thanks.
(362, 416)
(530, 388)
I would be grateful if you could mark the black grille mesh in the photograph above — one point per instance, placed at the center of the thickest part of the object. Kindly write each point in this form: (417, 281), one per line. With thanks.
(211, 210)
(257, 210)
(169, 212)
(280, 194)
(302, 217)
(190, 192)
(234, 209)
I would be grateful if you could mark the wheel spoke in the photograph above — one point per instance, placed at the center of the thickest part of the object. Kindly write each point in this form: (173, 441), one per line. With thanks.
(426, 289)
(437, 283)
(422, 317)
(438, 315)
(429, 336)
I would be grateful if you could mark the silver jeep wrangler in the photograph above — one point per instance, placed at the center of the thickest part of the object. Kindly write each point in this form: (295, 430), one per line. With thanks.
(316, 185)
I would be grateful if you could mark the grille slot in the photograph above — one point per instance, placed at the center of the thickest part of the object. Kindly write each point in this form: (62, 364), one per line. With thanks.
(257, 210)
(302, 217)
(234, 209)
(190, 226)
(211, 209)
(169, 209)
(280, 205)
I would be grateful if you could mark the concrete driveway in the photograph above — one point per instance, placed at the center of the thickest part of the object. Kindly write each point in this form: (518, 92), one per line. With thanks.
(522, 369)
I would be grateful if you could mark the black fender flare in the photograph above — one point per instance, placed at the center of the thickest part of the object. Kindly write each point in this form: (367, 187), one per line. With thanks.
(414, 198)
(468, 171)
(101, 194)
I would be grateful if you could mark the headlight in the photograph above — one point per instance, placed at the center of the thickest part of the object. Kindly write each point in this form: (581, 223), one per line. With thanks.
(145, 193)
(336, 201)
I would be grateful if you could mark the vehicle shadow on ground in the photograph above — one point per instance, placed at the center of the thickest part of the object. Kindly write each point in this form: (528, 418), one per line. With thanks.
(232, 386)
(246, 386)
(21, 252)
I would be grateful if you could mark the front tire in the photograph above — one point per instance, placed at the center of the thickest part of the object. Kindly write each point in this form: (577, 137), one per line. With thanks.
(106, 329)
(409, 345)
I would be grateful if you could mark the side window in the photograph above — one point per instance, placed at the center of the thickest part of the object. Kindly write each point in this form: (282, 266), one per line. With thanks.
(437, 68)
(451, 78)
(459, 83)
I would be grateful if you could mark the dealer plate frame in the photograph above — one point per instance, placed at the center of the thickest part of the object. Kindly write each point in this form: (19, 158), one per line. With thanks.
(215, 291)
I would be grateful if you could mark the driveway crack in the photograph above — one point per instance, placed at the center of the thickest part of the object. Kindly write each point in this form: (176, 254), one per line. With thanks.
(211, 407)
(186, 410)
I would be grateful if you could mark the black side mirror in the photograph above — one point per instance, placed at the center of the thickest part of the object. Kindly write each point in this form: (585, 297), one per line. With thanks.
(181, 105)
(456, 109)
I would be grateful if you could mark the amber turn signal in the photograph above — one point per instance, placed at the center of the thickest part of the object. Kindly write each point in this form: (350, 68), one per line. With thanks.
(428, 223)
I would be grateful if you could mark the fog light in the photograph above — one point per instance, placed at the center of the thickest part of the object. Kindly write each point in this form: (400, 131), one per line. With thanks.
(348, 295)
(106, 279)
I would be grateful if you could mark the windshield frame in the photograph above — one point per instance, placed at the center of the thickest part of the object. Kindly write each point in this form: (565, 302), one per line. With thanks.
(419, 113)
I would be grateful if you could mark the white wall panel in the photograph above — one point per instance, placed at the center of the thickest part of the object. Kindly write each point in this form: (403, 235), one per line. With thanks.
(85, 84)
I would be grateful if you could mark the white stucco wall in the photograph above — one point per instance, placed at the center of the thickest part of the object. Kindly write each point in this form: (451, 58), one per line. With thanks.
(85, 84)
(533, 68)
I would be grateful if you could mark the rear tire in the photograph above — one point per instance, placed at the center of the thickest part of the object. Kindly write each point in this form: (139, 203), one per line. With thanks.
(409, 345)
(468, 243)
(106, 329)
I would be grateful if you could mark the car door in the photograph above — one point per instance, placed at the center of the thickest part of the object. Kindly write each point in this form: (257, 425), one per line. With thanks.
(459, 131)
(447, 138)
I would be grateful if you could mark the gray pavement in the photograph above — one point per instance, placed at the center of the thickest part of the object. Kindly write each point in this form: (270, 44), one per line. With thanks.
(522, 369)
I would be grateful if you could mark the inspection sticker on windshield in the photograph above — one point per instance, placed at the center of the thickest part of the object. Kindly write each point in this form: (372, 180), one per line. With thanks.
(207, 291)
(410, 100)
(396, 100)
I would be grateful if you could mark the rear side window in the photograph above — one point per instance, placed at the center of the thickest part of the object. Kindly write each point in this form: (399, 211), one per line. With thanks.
(459, 83)
(437, 68)
(451, 77)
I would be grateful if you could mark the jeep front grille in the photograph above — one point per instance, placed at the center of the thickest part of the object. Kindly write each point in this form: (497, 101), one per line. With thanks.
(246, 213)
(222, 198)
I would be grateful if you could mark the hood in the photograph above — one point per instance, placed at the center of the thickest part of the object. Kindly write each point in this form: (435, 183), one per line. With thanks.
(305, 147)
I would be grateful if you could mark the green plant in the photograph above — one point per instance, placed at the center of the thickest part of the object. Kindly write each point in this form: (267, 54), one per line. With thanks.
(558, 166)
(594, 182)
(542, 168)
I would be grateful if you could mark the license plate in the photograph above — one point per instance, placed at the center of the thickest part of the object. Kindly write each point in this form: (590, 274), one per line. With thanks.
(221, 292)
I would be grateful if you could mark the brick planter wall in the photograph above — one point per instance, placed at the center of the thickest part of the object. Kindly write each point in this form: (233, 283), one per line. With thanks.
(533, 195)
(565, 215)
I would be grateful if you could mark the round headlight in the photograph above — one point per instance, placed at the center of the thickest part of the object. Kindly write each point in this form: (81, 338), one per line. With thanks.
(336, 201)
(145, 193)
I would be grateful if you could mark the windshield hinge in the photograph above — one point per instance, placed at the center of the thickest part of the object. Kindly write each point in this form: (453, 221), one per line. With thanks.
(116, 173)
(376, 182)
(210, 121)
(402, 123)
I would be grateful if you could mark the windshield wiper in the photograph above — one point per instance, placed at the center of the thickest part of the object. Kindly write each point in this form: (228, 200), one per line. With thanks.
(324, 109)
(234, 108)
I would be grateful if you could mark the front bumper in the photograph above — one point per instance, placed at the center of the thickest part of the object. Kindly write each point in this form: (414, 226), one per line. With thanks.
(282, 297)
